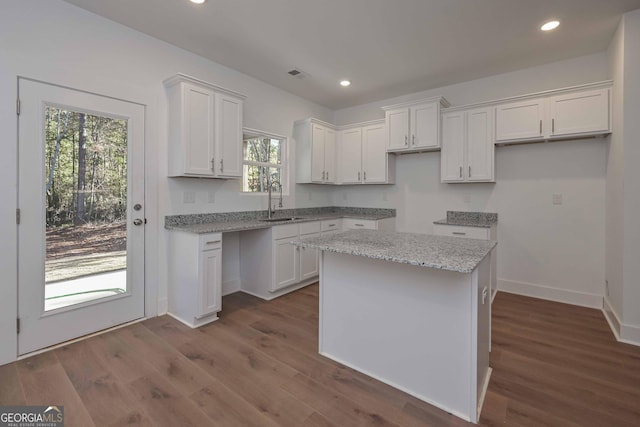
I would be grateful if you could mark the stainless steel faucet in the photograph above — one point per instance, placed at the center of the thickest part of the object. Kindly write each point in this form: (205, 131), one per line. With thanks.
(270, 185)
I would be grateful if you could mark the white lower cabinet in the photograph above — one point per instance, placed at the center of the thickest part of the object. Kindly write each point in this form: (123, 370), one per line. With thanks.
(369, 224)
(271, 266)
(195, 277)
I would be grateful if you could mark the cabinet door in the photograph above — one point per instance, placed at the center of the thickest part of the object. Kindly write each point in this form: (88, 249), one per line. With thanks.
(520, 120)
(309, 261)
(374, 155)
(582, 112)
(425, 120)
(359, 224)
(452, 155)
(330, 156)
(285, 264)
(351, 156)
(198, 130)
(229, 136)
(317, 153)
(210, 284)
(480, 145)
(397, 122)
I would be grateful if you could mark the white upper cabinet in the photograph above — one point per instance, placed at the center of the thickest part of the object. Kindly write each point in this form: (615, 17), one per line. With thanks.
(579, 113)
(363, 157)
(315, 152)
(205, 129)
(414, 126)
(468, 146)
(520, 120)
(569, 113)
(350, 142)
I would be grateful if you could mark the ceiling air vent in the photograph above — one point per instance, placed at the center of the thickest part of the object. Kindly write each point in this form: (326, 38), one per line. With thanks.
(297, 73)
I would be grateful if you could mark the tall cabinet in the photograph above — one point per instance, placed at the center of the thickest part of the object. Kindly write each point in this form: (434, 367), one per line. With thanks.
(315, 142)
(205, 129)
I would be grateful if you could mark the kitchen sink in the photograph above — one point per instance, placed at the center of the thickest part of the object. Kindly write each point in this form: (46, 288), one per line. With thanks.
(292, 218)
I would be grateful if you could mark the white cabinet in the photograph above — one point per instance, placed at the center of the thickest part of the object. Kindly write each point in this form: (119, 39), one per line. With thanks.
(315, 143)
(368, 224)
(363, 156)
(330, 226)
(271, 266)
(195, 277)
(468, 149)
(205, 129)
(414, 126)
(572, 113)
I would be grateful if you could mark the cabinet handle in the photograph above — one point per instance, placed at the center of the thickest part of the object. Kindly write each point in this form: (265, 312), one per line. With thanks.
(553, 125)
(365, 175)
(406, 140)
(460, 171)
(358, 176)
(540, 126)
(323, 172)
(327, 176)
(458, 233)
(221, 165)
(469, 171)
(359, 225)
(213, 164)
(212, 242)
(331, 225)
(413, 139)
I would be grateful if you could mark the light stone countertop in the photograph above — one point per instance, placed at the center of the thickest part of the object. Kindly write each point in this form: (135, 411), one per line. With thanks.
(254, 220)
(469, 219)
(457, 254)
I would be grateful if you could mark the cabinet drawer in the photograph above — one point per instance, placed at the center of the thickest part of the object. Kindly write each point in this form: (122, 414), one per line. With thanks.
(309, 227)
(284, 231)
(210, 241)
(460, 231)
(350, 223)
(331, 224)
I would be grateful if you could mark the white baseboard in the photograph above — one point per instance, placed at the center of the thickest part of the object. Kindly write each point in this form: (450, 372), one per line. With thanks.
(163, 306)
(231, 286)
(552, 294)
(628, 334)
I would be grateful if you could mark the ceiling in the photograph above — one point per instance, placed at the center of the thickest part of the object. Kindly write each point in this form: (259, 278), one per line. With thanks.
(386, 48)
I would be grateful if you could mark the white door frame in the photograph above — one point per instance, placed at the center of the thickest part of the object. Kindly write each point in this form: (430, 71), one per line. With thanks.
(139, 111)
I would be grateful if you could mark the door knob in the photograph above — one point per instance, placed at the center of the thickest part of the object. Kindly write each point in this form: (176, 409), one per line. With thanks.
(137, 221)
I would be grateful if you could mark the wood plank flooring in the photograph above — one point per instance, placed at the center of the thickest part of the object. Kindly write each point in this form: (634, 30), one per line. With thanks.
(553, 365)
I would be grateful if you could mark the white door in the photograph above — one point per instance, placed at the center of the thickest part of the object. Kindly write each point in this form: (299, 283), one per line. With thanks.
(374, 154)
(229, 136)
(330, 156)
(397, 129)
(424, 126)
(579, 112)
(350, 156)
(286, 263)
(210, 297)
(480, 146)
(317, 154)
(81, 205)
(198, 130)
(452, 156)
(520, 120)
(309, 260)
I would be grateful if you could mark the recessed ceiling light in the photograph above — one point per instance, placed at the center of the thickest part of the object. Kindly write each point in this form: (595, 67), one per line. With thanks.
(551, 25)
(345, 83)
(198, 1)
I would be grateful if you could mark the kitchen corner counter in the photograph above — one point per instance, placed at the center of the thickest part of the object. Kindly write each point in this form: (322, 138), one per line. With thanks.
(440, 252)
(469, 219)
(253, 220)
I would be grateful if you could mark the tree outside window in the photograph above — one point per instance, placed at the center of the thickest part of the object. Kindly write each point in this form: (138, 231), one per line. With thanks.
(263, 162)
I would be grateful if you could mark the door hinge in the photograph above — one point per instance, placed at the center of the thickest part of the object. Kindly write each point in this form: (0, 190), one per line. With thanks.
(18, 216)
(18, 325)
(18, 106)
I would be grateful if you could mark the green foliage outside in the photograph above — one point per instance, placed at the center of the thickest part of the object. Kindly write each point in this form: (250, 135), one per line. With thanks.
(86, 168)
(262, 163)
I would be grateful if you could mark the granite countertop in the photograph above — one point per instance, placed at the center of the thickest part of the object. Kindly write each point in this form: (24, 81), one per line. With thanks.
(253, 220)
(469, 219)
(457, 254)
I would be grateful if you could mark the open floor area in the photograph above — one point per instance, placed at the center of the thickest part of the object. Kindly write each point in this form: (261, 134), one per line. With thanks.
(553, 365)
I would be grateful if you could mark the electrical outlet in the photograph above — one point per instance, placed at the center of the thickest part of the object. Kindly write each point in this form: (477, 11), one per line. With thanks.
(212, 196)
(189, 197)
(556, 198)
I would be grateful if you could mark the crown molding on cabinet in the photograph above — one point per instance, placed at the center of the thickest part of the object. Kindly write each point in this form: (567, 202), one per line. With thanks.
(180, 77)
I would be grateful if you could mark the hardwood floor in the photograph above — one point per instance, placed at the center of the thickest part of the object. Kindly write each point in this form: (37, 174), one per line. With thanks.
(553, 365)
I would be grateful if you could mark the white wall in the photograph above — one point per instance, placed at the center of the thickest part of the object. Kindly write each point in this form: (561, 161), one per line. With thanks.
(56, 42)
(545, 250)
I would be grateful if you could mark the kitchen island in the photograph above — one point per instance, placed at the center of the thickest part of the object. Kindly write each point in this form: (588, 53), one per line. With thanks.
(410, 310)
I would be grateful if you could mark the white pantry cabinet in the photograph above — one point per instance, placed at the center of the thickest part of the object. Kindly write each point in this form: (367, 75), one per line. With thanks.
(195, 277)
(571, 113)
(205, 129)
(414, 126)
(363, 157)
(468, 149)
(315, 152)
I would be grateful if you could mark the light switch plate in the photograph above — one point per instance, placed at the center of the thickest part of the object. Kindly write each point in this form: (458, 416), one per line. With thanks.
(189, 197)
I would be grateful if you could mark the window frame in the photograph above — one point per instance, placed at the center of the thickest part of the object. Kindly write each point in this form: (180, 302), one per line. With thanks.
(284, 162)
